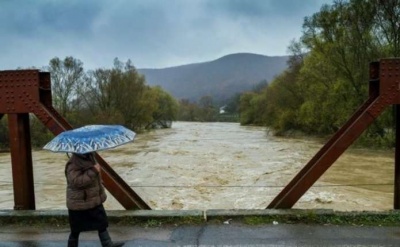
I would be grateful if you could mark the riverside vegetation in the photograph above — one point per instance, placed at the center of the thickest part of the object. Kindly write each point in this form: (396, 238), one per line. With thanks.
(327, 78)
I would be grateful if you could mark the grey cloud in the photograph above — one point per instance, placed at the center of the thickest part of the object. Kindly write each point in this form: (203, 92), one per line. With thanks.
(267, 9)
(27, 18)
(152, 33)
(240, 7)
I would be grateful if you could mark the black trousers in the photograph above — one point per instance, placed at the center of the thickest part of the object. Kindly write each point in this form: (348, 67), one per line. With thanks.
(94, 219)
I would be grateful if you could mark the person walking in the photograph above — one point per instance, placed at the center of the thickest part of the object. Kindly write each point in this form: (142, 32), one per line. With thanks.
(85, 197)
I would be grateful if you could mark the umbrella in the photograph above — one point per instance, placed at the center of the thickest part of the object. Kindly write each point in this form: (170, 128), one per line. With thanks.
(90, 138)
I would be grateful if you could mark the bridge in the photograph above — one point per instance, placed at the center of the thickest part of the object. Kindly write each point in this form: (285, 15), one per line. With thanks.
(24, 92)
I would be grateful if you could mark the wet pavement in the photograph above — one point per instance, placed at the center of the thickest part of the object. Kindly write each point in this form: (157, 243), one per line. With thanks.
(208, 235)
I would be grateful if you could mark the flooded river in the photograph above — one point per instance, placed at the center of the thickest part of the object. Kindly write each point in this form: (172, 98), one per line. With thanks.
(219, 166)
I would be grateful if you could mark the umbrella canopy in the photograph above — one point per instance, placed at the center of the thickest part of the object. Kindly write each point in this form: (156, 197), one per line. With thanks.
(90, 138)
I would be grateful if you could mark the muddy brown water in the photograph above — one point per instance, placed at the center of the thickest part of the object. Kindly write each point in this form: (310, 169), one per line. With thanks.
(219, 166)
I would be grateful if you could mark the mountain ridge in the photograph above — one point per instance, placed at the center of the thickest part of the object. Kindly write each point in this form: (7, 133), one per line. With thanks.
(220, 78)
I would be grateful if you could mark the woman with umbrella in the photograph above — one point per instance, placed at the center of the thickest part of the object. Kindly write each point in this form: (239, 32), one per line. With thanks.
(85, 198)
(85, 192)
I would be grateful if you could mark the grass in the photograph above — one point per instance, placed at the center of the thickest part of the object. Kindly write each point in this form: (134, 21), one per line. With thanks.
(391, 218)
(311, 217)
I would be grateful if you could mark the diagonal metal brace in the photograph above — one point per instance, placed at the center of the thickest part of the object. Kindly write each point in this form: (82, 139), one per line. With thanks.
(29, 91)
(384, 90)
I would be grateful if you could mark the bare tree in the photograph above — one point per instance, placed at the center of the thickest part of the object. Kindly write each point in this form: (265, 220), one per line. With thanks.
(67, 76)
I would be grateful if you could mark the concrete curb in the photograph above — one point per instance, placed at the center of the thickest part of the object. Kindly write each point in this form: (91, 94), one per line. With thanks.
(261, 216)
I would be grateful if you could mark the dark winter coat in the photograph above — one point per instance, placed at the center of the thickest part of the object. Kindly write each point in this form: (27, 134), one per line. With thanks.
(84, 185)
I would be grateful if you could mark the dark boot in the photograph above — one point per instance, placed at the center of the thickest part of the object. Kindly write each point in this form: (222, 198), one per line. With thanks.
(72, 242)
(73, 239)
(106, 240)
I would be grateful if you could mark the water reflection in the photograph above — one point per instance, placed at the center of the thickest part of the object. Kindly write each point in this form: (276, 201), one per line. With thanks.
(219, 166)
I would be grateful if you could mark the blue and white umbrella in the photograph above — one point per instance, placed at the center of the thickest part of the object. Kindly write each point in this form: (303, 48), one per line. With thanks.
(90, 138)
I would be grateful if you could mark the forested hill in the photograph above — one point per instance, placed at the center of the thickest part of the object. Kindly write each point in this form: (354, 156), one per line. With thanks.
(221, 78)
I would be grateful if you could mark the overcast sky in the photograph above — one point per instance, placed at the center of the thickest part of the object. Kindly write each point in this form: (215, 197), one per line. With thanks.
(152, 33)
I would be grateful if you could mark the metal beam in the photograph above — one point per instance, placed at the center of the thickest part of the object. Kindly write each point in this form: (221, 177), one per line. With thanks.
(29, 91)
(384, 90)
(21, 158)
(328, 154)
(122, 192)
(396, 195)
(119, 189)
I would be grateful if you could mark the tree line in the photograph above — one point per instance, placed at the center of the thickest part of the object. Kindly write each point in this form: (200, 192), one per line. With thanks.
(102, 96)
(328, 72)
(118, 95)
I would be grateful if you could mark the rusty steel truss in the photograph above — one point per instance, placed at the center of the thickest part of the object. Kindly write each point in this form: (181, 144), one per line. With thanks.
(29, 91)
(384, 90)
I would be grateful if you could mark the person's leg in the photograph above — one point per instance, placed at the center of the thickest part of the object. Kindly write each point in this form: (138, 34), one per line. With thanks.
(106, 241)
(73, 239)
